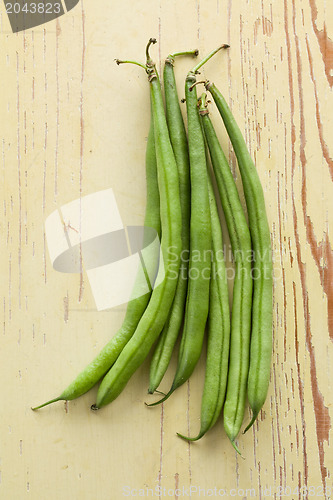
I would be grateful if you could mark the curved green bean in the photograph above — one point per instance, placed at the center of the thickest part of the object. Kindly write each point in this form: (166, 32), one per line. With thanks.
(261, 335)
(136, 307)
(153, 319)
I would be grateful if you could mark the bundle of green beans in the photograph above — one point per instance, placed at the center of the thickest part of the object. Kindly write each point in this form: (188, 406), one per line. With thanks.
(182, 208)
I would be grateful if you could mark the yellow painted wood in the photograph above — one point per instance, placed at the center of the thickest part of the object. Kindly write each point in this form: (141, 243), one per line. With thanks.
(73, 123)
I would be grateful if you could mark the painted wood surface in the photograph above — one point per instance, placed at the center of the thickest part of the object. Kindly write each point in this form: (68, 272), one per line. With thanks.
(73, 123)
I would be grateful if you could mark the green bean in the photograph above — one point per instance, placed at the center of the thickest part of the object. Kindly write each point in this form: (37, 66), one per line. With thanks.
(234, 405)
(136, 307)
(261, 335)
(197, 301)
(218, 330)
(166, 342)
(154, 318)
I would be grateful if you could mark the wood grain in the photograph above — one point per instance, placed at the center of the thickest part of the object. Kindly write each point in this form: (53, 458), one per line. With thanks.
(74, 123)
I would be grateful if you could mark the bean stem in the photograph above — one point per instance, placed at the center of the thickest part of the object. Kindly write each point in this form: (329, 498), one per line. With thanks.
(209, 56)
(119, 61)
(185, 53)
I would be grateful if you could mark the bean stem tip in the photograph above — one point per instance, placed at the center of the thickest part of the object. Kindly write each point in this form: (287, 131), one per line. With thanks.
(166, 396)
(45, 404)
(187, 438)
(236, 447)
(253, 419)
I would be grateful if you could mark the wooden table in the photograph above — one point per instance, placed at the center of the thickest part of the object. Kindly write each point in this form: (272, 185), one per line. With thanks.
(73, 123)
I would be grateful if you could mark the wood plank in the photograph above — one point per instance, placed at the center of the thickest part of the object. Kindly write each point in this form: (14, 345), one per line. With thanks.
(74, 123)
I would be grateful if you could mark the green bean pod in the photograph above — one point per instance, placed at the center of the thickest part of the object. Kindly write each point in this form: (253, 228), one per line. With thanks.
(218, 330)
(234, 406)
(95, 370)
(197, 300)
(261, 335)
(166, 342)
(155, 316)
